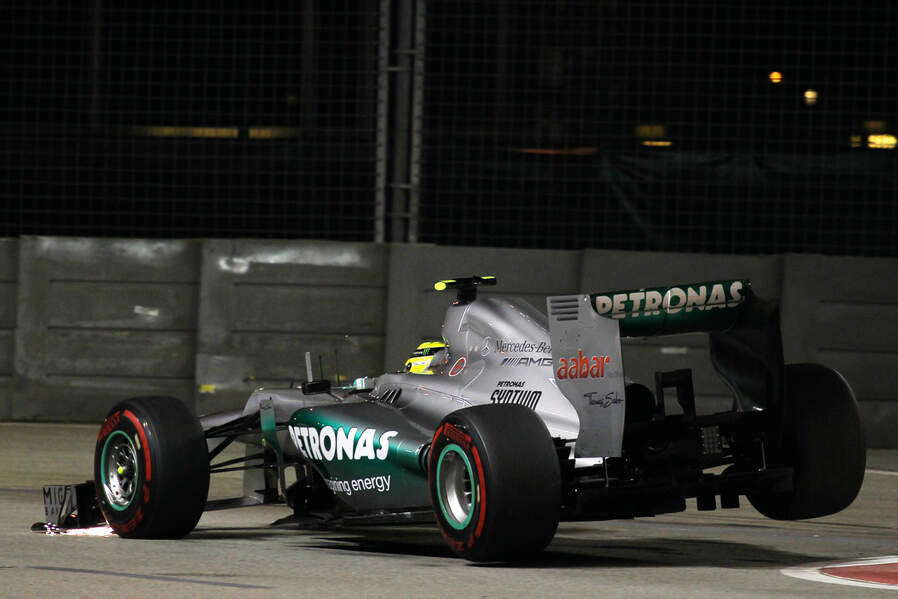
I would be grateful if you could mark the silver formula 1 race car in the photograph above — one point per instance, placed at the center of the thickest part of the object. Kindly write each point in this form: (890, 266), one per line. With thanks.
(517, 421)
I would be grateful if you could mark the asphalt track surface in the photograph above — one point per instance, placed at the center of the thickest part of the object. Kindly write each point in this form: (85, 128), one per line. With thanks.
(239, 553)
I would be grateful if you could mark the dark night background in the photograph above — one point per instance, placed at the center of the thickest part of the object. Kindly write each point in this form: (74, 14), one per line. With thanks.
(530, 123)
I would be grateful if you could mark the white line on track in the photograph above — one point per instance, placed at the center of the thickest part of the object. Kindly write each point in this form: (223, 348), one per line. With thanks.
(883, 472)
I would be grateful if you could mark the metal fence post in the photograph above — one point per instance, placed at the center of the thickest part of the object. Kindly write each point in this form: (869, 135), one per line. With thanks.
(400, 101)
(414, 191)
(383, 122)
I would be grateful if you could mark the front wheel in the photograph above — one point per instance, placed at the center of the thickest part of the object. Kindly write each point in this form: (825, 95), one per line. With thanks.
(151, 468)
(495, 482)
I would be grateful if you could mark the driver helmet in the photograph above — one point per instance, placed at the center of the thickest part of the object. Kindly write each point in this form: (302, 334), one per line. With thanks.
(423, 356)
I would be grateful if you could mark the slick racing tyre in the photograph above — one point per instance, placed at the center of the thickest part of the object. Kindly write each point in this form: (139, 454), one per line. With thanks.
(822, 439)
(151, 468)
(495, 482)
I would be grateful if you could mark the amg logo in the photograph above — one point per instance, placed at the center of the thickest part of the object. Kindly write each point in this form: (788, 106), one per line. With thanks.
(518, 396)
(525, 361)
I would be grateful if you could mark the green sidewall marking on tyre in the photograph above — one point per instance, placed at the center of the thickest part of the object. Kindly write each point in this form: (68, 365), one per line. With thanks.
(103, 455)
(449, 518)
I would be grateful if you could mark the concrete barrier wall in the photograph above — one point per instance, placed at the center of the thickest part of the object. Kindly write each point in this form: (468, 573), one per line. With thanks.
(85, 322)
(843, 312)
(9, 275)
(265, 303)
(101, 320)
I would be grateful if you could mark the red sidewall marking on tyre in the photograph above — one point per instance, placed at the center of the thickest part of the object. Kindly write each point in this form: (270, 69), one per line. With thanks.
(131, 524)
(875, 572)
(456, 435)
(143, 439)
(481, 491)
(431, 459)
(108, 425)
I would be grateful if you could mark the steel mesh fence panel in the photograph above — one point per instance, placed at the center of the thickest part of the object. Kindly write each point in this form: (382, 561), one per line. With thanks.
(189, 119)
(735, 127)
(692, 126)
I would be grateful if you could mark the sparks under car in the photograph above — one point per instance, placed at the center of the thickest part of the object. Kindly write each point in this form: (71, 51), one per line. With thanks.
(520, 420)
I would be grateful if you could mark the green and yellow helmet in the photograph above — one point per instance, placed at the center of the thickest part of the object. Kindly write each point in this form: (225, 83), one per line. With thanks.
(419, 362)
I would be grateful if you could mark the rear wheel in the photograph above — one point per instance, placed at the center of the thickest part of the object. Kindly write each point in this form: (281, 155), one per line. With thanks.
(151, 468)
(822, 439)
(495, 482)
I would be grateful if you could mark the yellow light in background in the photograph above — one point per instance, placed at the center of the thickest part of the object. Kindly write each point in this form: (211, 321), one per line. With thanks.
(650, 131)
(652, 135)
(810, 97)
(272, 132)
(881, 141)
(855, 141)
(217, 132)
(776, 77)
(204, 132)
(874, 126)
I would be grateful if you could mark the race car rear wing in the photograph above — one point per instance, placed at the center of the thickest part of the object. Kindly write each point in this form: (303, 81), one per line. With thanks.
(710, 306)
(745, 348)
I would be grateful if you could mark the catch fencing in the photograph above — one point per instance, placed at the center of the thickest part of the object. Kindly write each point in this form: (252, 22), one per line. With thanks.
(734, 128)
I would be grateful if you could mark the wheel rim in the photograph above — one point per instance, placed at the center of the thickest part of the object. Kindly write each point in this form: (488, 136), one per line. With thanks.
(119, 470)
(454, 486)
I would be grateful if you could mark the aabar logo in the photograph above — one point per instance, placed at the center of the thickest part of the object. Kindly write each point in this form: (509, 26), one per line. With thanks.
(582, 367)
(651, 302)
(329, 444)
